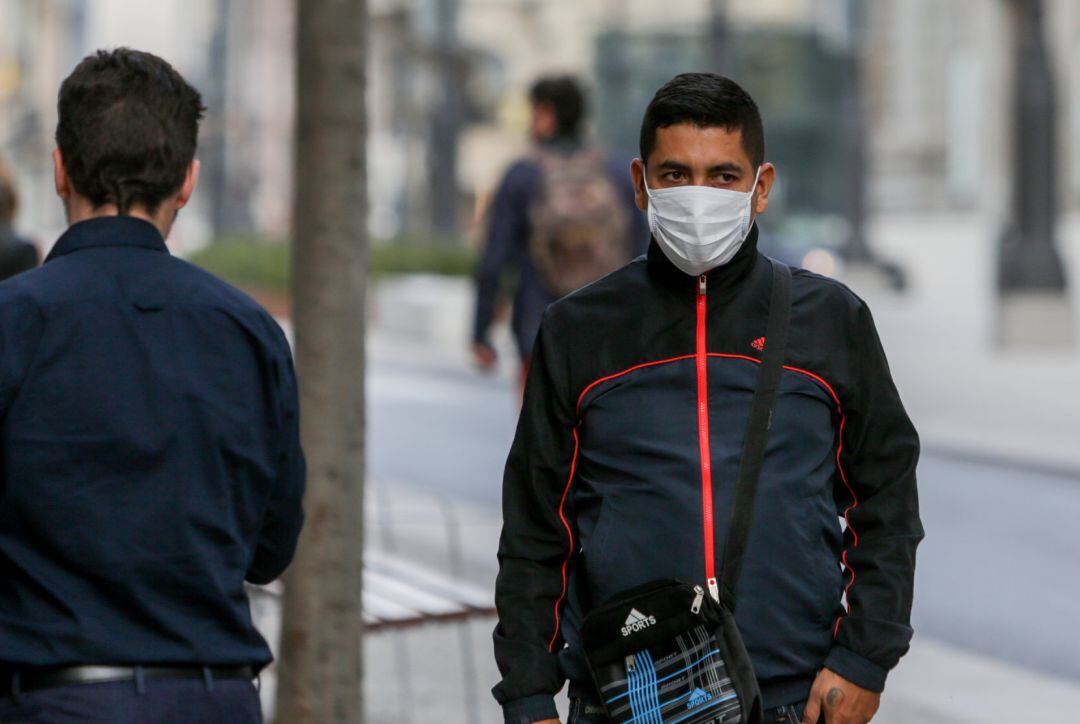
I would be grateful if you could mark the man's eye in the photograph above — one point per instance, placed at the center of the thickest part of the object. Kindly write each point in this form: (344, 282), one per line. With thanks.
(674, 175)
(727, 178)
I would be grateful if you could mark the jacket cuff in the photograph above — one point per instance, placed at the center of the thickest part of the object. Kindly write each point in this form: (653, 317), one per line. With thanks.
(858, 670)
(530, 709)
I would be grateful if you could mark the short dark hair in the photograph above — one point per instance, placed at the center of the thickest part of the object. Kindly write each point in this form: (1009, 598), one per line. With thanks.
(565, 95)
(128, 128)
(706, 100)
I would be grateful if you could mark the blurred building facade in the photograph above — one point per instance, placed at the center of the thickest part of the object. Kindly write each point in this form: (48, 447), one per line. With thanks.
(238, 53)
(935, 80)
(448, 82)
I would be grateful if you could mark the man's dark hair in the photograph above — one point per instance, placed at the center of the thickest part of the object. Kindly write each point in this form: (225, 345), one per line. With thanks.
(127, 130)
(706, 100)
(565, 95)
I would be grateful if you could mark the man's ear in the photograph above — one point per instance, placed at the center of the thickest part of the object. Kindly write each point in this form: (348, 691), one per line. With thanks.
(191, 180)
(637, 173)
(60, 176)
(765, 182)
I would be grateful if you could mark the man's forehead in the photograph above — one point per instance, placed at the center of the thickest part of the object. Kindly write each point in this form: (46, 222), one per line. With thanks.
(689, 144)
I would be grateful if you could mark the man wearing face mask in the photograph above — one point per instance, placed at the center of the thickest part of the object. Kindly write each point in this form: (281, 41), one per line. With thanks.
(633, 424)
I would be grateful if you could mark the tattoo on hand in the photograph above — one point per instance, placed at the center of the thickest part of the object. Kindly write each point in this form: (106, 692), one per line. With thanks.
(834, 697)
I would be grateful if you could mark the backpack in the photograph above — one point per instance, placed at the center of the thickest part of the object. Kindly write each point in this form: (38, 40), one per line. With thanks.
(580, 228)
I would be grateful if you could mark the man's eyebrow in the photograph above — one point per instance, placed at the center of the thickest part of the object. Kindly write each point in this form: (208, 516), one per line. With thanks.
(668, 165)
(726, 167)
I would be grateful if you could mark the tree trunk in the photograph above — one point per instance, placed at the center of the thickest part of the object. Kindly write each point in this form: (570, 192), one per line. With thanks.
(321, 662)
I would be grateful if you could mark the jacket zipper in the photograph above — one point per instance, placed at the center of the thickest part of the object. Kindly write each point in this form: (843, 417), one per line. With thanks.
(699, 598)
(702, 359)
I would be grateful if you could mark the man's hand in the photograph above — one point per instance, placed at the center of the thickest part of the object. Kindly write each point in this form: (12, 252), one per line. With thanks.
(835, 700)
(547, 721)
(485, 357)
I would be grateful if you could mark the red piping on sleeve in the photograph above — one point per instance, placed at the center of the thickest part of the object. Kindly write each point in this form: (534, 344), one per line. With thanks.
(851, 492)
(570, 537)
(855, 542)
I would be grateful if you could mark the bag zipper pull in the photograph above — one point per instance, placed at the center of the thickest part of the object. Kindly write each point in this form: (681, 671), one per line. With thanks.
(631, 667)
(714, 590)
(699, 598)
(702, 282)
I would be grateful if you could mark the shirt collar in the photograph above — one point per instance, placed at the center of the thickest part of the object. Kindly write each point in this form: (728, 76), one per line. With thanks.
(108, 231)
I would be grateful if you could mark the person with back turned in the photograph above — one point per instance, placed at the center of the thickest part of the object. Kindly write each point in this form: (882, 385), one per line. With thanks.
(16, 254)
(561, 217)
(627, 467)
(149, 426)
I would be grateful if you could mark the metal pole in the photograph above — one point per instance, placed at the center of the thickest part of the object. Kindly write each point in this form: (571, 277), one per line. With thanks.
(719, 42)
(1033, 309)
(213, 150)
(1028, 258)
(856, 250)
(446, 120)
(853, 120)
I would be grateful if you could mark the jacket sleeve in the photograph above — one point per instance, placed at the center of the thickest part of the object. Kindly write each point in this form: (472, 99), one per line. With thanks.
(877, 492)
(537, 541)
(508, 227)
(284, 514)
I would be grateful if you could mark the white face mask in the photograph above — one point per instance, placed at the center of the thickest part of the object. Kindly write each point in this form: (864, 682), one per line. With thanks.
(700, 227)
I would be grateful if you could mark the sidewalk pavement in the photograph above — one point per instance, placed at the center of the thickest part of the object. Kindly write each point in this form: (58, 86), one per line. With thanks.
(434, 672)
(966, 396)
(444, 672)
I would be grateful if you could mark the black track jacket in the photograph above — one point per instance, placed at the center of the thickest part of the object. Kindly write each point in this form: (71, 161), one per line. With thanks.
(629, 442)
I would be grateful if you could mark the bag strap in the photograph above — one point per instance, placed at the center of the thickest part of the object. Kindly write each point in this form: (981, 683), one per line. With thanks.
(757, 430)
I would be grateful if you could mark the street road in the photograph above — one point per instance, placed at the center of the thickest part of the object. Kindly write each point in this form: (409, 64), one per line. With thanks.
(998, 574)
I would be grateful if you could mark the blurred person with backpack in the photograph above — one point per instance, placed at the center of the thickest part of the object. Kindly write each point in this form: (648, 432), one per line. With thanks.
(562, 216)
(16, 254)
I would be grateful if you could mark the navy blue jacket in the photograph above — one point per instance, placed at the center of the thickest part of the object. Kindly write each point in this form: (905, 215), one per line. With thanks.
(150, 457)
(507, 246)
(634, 416)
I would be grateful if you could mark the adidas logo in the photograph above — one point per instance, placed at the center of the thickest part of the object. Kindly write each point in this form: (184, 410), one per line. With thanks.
(637, 621)
(698, 698)
(758, 344)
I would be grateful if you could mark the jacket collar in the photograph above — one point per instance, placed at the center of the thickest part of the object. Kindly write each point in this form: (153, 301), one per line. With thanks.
(108, 231)
(722, 277)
